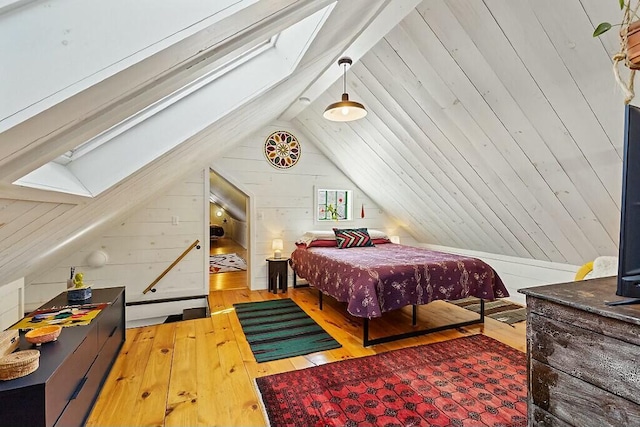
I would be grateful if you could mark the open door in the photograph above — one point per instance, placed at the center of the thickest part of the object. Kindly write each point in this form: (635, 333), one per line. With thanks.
(228, 235)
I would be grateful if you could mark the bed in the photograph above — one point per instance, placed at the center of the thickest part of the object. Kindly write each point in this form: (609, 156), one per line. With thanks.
(385, 276)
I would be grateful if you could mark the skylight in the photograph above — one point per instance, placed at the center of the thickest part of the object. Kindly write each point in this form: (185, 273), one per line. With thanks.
(111, 156)
(60, 48)
(230, 62)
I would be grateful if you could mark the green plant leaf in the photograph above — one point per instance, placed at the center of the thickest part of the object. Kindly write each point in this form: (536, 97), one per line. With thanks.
(621, 4)
(602, 28)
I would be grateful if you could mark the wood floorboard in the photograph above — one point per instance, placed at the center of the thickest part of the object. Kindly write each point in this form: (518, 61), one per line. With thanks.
(122, 385)
(150, 405)
(239, 385)
(212, 407)
(230, 279)
(202, 371)
(182, 401)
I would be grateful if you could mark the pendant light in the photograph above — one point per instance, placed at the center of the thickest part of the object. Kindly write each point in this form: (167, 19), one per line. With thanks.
(345, 110)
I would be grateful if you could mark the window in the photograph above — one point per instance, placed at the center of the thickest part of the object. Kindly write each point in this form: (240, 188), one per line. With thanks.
(333, 205)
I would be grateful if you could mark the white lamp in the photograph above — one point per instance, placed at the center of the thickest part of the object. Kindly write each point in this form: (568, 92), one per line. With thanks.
(394, 239)
(277, 247)
(97, 259)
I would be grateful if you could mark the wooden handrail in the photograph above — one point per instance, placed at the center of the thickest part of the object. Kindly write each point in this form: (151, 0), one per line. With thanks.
(173, 264)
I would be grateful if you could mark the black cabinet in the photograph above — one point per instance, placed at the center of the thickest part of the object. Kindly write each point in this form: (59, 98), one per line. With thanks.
(61, 392)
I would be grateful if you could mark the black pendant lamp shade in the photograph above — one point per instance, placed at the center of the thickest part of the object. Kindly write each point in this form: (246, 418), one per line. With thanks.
(344, 110)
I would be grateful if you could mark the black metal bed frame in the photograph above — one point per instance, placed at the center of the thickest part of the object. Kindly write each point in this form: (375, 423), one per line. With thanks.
(365, 333)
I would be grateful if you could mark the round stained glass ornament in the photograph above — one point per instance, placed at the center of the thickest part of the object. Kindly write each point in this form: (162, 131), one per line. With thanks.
(282, 149)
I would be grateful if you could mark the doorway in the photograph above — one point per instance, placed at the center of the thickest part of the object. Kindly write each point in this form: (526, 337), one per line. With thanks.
(228, 224)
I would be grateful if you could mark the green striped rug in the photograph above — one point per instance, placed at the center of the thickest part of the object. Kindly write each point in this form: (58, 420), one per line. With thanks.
(502, 310)
(278, 329)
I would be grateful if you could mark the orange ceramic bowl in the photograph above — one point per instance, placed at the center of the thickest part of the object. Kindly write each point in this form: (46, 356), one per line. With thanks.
(43, 334)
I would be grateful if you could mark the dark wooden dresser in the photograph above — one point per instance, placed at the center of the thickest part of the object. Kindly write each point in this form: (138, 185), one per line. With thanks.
(72, 369)
(584, 356)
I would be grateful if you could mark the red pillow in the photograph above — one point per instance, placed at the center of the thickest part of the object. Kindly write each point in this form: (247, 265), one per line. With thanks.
(318, 244)
(380, 241)
(325, 243)
(322, 243)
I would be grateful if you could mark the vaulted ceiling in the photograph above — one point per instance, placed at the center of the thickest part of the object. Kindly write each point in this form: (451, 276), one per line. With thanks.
(493, 125)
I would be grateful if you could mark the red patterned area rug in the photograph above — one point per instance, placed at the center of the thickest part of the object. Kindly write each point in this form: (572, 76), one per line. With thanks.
(469, 381)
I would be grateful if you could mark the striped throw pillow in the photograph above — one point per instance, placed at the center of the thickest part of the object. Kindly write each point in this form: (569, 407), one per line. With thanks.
(352, 237)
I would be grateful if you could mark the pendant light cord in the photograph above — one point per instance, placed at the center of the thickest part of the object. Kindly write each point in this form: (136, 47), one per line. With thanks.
(344, 79)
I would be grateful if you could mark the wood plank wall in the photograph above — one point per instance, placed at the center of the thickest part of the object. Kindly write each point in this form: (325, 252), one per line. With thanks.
(283, 200)
(11, 303)
(141, 247)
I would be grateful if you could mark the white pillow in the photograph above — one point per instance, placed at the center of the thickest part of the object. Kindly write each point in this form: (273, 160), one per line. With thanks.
(604, 266)
(319, 235)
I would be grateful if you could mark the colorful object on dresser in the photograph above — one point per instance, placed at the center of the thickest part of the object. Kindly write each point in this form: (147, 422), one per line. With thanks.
(19, 364)
(70, 281)
(282, 149)
(79, 291)
(71, 315)
(502, 310)
(79, 294)
(224, 263)
(43, 335)
(278, 329)
(474, 381)
(9, 341)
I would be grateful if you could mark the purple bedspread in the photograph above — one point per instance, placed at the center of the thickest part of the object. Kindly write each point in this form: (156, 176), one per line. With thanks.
(373, 280)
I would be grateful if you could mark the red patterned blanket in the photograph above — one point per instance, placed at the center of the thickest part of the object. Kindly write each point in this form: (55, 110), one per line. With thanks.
(373, 280)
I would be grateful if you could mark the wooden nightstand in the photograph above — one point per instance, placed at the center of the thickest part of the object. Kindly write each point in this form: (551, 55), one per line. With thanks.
(277, 274)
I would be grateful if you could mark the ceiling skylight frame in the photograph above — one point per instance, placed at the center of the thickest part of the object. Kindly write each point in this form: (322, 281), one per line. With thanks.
(163, 103)
(72, 174)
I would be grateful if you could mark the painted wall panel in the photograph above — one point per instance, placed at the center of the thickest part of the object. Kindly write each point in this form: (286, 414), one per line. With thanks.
(11, 303)
(283, 200)
(140, 247)
(517, 273)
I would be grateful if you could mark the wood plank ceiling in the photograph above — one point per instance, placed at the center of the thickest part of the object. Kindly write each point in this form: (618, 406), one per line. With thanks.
(492, 125)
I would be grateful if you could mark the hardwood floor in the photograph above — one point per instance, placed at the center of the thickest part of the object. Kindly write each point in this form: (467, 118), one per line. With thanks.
(201, 372)
(231, 279)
